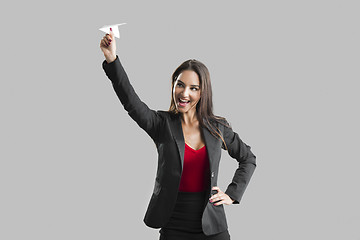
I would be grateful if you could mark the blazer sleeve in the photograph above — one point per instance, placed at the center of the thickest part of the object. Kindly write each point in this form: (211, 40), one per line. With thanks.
(238, 150)
(146, 118)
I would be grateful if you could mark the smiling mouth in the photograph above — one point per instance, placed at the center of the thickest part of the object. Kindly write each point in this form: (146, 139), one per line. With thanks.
(183, 103)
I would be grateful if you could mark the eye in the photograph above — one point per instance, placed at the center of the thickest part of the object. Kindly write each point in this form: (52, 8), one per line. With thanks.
(194, 89)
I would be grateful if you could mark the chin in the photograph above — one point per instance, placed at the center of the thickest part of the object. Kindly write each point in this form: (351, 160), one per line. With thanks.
(185, 110)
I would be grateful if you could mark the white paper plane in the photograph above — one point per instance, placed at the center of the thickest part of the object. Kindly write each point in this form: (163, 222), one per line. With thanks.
(115, 29)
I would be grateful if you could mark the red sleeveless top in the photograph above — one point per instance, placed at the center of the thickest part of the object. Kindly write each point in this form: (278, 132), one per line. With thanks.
(195, 174)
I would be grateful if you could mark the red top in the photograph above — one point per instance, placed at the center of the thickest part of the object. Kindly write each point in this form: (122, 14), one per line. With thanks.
(195, 174)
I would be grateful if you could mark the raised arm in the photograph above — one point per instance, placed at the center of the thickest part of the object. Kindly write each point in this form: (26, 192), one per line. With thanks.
(247, 162)
(146, 118)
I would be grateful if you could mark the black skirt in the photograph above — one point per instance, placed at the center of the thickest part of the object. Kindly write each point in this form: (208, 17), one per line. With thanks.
(185, 222)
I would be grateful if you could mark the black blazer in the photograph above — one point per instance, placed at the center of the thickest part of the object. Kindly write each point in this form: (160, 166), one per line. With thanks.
(166, 131)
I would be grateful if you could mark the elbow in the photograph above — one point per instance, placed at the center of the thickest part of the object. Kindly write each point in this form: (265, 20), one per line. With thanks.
(251, 160)
(250, 163)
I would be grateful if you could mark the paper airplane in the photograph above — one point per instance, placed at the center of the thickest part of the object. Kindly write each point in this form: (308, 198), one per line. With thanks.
(115, 29)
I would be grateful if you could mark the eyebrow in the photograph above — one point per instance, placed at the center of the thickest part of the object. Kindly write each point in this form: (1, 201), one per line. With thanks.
(191, 85)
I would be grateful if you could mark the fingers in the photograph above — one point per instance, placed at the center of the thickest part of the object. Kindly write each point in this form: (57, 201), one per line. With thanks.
(216, 198)
(111, 32)
(103, 43)
(224, 199)
(106, 40)
(221, 202)
(220, 198)
(109, 37)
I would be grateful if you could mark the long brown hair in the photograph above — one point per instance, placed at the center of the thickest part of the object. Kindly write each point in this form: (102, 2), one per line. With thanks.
(204, 107)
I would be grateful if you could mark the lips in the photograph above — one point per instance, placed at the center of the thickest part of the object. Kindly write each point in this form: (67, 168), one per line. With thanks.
(183, 102)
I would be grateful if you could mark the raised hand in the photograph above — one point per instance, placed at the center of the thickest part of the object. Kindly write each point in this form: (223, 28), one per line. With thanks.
(108, 46)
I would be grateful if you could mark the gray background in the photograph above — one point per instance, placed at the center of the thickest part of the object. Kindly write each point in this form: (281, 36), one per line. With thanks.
(285, 74)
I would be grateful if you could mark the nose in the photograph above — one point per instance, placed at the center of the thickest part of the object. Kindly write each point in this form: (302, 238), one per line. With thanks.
(186, 92)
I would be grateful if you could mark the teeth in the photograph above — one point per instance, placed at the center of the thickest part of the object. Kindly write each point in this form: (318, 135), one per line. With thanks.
(183, 100)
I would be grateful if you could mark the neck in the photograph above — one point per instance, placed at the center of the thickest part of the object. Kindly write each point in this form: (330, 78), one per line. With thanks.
(189, 117)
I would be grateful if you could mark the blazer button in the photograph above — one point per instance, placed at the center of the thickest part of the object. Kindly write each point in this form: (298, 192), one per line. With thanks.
(212, 174)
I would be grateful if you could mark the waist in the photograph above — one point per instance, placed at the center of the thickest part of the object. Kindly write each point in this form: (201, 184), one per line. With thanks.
(187, 213)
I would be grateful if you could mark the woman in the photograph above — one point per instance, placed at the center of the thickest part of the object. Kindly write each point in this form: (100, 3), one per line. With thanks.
(186, 202)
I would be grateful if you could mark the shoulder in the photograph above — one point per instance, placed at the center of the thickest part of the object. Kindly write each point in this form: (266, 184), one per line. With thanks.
(167, 114)
(221, 121)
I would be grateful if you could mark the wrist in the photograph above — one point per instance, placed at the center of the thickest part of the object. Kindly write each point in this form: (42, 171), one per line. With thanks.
(110, 58)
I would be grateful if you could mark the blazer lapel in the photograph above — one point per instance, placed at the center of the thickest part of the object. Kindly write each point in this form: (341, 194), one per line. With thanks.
(179, 137)
(211, 142)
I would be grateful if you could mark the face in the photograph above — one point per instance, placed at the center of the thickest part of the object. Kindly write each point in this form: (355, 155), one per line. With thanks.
(187, 91)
